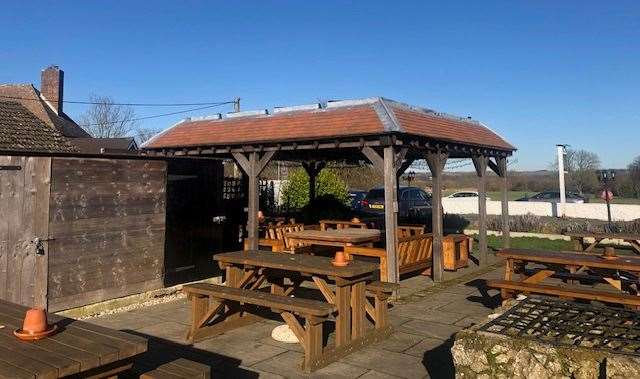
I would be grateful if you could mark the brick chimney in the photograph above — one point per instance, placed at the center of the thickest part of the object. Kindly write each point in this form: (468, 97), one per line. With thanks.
(52, 86)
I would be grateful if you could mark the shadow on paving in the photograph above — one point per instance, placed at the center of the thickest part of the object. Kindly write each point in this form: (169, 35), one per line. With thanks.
(439, 361)
(161, 351)
(485, 298)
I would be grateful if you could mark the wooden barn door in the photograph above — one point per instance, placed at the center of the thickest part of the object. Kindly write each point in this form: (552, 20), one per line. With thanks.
(24, 224)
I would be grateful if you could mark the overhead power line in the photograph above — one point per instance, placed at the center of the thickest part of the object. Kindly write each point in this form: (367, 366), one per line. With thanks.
(159, 115)
(127, 104)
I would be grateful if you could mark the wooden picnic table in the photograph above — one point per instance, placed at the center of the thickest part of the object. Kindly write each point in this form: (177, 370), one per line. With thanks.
(580, 245)
(250, 269)
(78, 349)
(335, 237)
(570, 265)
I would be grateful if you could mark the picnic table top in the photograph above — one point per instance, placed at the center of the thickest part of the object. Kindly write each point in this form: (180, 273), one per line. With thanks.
(309, 264)
(349, 235)
(630, 263)
(77, 347)
(622, 236)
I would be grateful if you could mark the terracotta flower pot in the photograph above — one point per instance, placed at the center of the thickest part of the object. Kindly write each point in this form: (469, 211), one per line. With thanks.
(35, 326)
(609, 253)
(339, 259)
(35, 321)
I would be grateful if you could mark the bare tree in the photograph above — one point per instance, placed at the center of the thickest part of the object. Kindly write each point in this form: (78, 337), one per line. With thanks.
(582, 166)
(634, 174)
(144, 134)
(106, 119)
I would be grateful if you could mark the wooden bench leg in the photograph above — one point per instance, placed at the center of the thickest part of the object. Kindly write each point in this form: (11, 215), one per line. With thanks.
(380, 310)
(578, 244)
(508, 272)
(343, 320)
(358, 317)
(312, 344)
(199, 307)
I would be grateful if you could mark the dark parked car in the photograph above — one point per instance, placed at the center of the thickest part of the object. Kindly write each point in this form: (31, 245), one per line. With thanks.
(412, 201)
(355, 199)
(554, 197)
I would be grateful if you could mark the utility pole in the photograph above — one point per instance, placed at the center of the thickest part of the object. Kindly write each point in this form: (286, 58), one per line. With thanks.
(561, 172)
(236, 108)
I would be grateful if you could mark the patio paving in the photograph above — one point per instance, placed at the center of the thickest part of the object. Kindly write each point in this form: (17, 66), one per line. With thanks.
(426, 318)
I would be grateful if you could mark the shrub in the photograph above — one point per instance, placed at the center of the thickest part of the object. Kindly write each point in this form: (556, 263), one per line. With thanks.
(325, 207)
(295, 192)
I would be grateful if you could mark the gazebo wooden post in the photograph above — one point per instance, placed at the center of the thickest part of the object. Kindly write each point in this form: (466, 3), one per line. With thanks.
(252, 165)
(504, 194)
(436, 162)
(480, 163)
(391, 212)
(388, 165)
(313, 169)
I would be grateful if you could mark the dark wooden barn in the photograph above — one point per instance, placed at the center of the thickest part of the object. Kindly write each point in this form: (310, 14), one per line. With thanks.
(78, 229)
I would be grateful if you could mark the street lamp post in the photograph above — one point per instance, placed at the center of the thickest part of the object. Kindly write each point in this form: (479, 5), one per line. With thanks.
(606, 177)
(409, 177)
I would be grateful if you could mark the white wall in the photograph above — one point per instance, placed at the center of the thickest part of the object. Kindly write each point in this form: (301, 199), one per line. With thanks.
(619, 212)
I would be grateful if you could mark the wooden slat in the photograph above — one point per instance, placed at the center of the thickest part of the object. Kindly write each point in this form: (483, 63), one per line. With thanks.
(298, 263)
(94, 354)
(325, 290)
(85, 359)
(566, 292)
(294, 325)
(127, 344)
(630, 263)
(179, 368)
(350, 235)
(26, 361)
(292, 304)
(63, 364)
(10, 371)
(108, 220)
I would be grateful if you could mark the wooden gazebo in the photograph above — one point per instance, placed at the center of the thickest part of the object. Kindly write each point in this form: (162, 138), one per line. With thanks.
(388, 134)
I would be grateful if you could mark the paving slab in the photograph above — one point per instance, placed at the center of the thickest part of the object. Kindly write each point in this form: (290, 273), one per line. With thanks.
(167, 330)
(388, 362)
(373, 374)
(425, 345)
(287, 364)
(429, 329)
(248, 352)
(399, 341)
(414, 311)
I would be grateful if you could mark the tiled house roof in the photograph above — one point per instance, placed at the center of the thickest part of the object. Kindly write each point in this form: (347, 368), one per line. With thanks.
(105, 145)
(351, 118)
(29, 97)
(21, 130)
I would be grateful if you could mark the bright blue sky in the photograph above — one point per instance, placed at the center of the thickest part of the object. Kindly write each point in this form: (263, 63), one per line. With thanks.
(537, 72)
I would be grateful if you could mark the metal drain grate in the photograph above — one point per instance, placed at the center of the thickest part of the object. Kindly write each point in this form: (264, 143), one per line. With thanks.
(560, 322)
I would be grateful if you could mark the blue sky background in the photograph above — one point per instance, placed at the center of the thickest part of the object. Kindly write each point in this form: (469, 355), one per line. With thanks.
(537, 72)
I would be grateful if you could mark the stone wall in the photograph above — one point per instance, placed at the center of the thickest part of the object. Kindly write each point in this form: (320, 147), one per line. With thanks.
(478, 354)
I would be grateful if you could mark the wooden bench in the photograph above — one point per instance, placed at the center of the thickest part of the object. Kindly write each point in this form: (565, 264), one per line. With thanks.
(414, 253)
(455, 251)
(226, 313)
(339, 224)
(573, 293)
(275, 239)
(179, 369)
(404, 231)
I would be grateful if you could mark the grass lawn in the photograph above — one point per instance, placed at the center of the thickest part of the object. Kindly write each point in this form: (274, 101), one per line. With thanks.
(495, 243)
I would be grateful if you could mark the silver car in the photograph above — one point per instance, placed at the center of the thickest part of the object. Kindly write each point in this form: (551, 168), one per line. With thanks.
(554, 197)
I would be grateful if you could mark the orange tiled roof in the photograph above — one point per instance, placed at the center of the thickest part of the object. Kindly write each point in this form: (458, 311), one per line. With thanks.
(352, 118)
